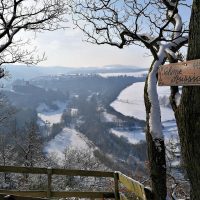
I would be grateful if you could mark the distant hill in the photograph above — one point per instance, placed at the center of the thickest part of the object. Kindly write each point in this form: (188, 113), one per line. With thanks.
(29, 72)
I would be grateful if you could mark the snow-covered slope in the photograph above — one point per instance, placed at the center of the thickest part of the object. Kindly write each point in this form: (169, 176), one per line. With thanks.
(68, 138)
(133, 137)
(107, 117)
(130, 102)
(51, 116)
(135, 74)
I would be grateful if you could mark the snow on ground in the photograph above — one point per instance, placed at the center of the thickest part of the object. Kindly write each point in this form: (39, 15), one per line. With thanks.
(170, 129)
(51, 116)
(175, 163)
(67, 138)
(135, 74)
(107, 117)
(133, 137)
(138, 134)
(130, 102)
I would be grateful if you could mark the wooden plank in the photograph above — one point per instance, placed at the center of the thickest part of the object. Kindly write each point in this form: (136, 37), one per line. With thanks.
(21, 198)
(116, 178)
(61, 194)
(49, 171)
(67, 172)
(133, 186)
(83, 194)
(41, 194)
(182, 73)
(28, 170)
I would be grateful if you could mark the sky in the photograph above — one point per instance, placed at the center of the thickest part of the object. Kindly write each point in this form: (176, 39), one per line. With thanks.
(68, 48)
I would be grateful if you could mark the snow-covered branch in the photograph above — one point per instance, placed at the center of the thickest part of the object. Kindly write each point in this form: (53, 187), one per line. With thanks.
(123, 23)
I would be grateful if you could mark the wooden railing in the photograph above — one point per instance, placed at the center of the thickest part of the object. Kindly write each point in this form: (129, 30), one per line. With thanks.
(119, 179)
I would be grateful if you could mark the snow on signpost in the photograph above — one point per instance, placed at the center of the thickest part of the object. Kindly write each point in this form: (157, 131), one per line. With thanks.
(180, 74)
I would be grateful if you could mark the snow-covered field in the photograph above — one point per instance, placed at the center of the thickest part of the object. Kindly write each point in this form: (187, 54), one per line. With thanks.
(51, 116)
(107, 117)
(130, 102)
(133, 137)
(135, 74)
(170, 129)
(68, 138)
(138, 134)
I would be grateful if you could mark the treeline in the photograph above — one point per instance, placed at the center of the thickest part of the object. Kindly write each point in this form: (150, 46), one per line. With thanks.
(26, 95)
(108, 88)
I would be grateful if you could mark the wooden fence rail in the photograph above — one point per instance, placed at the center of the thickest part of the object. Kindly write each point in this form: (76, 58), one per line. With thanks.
(118, 178)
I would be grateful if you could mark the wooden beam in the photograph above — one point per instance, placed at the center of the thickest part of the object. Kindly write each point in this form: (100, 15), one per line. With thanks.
(27, 170)
(61, 194)
(67, 172)
(3, 196)
(83, 194)
(42, 194)
(49, 171)
(116, 178)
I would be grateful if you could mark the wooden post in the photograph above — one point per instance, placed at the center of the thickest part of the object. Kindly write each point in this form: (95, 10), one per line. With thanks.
(116, 178)
(49, 173)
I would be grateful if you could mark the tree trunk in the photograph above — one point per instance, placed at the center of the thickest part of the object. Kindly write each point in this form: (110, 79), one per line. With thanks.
(188, 112)
(156, 151)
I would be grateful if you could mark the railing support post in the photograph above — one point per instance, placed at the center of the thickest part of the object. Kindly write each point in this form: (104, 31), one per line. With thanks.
(49, 173)
(116, 178)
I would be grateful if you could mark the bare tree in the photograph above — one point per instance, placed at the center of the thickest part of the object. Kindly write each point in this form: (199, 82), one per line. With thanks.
(18, 16)
(82, 159)
(155, 25)
(7, 155)
(6, 149)
(6, 111)
(29, 146)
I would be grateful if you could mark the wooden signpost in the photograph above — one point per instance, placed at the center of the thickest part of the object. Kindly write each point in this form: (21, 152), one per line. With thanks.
(180, 74)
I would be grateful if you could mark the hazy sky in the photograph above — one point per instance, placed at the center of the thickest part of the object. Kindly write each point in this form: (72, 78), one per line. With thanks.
(67, 48)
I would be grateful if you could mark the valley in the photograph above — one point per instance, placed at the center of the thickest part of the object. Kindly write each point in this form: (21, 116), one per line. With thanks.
(102, 113)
